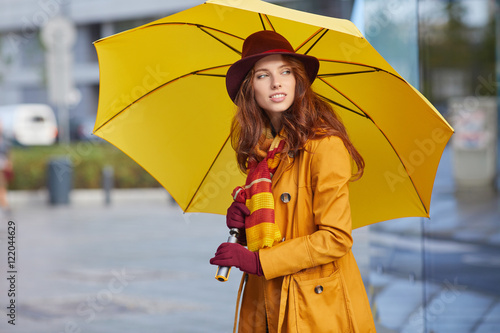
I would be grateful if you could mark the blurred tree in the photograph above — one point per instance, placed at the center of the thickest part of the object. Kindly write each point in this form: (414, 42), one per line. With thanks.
(452, 48)
(486, 59)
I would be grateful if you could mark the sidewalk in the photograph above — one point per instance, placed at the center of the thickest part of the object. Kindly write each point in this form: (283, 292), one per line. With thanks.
(460, 264)
(138, 265)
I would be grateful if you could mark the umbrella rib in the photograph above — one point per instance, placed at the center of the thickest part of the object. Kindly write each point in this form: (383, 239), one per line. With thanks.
(344, 107)
(374, 69)
(381, 131)
(317, 40)
(206, 174)
(202, 28)
(192, 24)
(262, 16)
(262, 21)
(212, 75)
(347, 73)
(219, 40)
(307, 41)
(198, 72)
(363, 114)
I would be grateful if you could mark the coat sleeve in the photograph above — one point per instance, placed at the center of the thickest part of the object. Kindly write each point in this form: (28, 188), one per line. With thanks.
(330, 167)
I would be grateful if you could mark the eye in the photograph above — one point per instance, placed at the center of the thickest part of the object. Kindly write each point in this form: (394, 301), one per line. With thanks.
(286, 72)
(261, 76)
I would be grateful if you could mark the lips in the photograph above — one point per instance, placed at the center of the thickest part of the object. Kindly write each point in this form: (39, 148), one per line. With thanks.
(277, 97)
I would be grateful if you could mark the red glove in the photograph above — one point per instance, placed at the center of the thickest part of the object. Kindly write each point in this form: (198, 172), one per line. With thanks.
(232, 254)
(236, 214)
(235, 218)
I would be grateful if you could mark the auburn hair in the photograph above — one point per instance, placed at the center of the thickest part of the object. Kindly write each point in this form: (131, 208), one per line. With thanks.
(309, 117)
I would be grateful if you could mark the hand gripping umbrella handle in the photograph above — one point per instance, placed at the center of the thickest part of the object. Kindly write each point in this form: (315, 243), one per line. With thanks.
(223, 271)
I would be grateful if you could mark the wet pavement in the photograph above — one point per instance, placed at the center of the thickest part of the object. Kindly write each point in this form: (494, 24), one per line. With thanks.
(458, 259)
(141, 265)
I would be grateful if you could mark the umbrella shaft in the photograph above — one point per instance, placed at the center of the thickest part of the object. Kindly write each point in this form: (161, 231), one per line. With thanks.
(223, 271)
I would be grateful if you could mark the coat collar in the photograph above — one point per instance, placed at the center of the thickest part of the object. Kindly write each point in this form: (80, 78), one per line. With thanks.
(282, 167)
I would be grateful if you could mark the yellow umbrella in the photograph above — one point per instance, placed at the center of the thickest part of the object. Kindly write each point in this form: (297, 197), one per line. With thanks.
(163, 102)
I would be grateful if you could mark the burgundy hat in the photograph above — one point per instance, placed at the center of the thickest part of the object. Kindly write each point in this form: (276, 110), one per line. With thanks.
(257, 46)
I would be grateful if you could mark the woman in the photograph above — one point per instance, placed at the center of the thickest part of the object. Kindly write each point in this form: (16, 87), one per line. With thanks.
(301, 275)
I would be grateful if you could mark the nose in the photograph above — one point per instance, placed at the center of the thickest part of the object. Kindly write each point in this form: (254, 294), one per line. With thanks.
(276, 84)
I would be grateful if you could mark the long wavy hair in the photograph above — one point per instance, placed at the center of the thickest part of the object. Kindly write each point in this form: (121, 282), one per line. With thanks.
(309, 117)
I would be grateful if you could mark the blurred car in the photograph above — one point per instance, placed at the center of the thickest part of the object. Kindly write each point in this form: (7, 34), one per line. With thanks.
(29, 124)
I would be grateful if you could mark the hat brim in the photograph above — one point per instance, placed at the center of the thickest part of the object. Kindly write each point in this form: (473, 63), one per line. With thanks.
(239, 70)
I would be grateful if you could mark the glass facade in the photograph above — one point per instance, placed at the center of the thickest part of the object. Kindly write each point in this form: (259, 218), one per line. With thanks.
(441, 274)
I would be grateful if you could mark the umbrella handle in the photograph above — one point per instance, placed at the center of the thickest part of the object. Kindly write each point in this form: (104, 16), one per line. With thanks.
(223, 271)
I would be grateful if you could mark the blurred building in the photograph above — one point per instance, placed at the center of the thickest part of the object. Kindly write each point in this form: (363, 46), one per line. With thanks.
(23, 76)
(22, 58)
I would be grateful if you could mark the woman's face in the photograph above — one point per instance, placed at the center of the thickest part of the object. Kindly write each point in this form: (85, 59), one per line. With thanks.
(274, 85)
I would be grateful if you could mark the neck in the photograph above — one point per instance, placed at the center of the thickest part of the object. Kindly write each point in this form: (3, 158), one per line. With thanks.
(276, 125)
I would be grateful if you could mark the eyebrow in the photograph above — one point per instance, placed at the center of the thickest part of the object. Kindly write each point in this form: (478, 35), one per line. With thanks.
(265, 69)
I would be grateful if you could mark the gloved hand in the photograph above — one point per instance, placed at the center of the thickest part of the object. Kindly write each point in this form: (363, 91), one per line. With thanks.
(235, 218)
(236, 214)
(235, 255)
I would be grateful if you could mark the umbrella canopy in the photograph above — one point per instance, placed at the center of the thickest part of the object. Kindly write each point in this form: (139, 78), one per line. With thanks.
(163, 102)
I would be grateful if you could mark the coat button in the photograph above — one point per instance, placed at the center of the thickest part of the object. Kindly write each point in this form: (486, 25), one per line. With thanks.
(291, 154)
(318, 289)
(285, 197)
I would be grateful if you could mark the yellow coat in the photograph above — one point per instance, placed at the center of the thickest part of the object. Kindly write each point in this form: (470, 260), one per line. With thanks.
(311, 281)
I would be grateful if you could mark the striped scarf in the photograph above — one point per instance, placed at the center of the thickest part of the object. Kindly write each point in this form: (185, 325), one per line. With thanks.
(261, 230)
